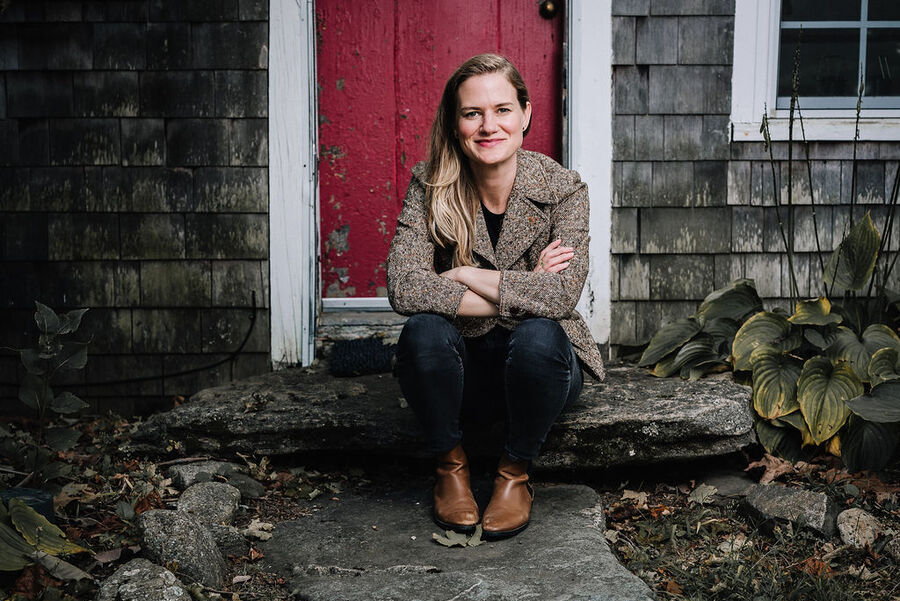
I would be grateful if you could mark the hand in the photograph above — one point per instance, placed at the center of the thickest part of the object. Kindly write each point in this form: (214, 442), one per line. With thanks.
(554, 258)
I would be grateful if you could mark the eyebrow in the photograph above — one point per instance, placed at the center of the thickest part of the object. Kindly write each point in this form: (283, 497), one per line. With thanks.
(498, 105)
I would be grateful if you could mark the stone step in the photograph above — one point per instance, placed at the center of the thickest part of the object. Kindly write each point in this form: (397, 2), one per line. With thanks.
(630, 418)
(379, 547)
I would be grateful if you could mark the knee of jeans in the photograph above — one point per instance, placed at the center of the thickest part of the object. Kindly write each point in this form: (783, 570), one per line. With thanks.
(426, 333)
(538, 340)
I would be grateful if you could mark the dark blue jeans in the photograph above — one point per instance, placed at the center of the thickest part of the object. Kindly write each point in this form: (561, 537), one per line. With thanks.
(529, 375)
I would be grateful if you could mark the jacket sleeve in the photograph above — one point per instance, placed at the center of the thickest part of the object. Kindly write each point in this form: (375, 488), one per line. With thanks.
(553, 295)
(413, 286)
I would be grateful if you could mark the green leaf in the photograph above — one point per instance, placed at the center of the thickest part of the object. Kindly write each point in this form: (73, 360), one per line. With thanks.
(37, 531)
(763, 328)
(881, 405)
(33, 362)
(851, 265)
(815, 312)
(666, 367)
(818, 339)
(14, 550)
(775, 376)
(66, 402)
(699, 350)
(669, 338)
(735, 301)
(46, 319)
(62, 439)
(885, 365)
(822, 391)
(35, 392)
(796, 421)
(721, 328)
(73, 356)
(71, 321)
(867, 445)
(781, 442)
(858, 350)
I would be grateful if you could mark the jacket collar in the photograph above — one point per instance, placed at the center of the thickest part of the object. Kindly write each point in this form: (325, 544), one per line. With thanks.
(523, 222)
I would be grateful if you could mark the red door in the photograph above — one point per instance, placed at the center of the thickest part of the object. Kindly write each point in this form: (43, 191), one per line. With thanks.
(382, 65)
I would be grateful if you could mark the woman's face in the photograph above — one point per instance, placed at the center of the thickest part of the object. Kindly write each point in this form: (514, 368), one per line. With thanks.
(490, 123)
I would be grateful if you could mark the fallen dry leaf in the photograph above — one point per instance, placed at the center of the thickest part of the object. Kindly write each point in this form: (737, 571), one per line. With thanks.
(773, 466)
(639, 498)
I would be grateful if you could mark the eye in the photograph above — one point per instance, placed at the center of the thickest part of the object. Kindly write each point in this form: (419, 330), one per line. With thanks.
(470, 114)
(504, 109)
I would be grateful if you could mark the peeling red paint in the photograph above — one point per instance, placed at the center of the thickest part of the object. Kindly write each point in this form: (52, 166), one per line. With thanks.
(381, 69)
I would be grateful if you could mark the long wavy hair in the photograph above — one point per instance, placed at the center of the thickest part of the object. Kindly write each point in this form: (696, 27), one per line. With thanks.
(451, 196)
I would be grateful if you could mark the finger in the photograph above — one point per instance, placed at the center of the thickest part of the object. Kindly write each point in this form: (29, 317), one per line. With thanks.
(552, 245)
(558, 259)
(558, 268)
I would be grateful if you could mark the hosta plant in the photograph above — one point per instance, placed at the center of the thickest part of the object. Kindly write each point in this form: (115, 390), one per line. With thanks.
(826, 375)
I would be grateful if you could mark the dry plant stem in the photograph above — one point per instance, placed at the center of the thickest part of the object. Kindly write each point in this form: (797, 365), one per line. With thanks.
(767, 137)
(886, 235)
(25, 480)
(812, 200)
(9, 470)
(182, 460)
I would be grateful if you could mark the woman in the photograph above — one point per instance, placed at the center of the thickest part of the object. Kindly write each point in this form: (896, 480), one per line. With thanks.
(489, 259)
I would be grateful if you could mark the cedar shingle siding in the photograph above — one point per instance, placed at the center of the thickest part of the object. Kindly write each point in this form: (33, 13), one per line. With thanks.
(691, 212)
(134, 181)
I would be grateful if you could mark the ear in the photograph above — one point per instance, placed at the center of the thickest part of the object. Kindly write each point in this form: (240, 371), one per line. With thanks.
(527, 119)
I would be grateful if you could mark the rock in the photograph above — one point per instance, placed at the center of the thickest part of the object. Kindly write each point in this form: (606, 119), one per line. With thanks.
(893, 548)
(731, 483)
(168, 536)
(229, 540)
(858, 528)
(379, 548)
(249, 487)
(630, 418)
(803, 508)
(141, 580)
(210, 502)
(186, 474)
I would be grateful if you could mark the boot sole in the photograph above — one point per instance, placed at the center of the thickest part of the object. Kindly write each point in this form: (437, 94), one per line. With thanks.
(487, 535)
(462, 529)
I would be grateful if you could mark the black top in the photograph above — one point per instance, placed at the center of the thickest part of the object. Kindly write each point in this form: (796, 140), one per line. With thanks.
(493, 222)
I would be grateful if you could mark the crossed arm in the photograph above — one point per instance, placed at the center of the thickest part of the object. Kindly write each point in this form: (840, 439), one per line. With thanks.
(482, 298)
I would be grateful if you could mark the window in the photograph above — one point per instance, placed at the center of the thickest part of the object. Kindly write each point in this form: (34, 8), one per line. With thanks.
(840, 41)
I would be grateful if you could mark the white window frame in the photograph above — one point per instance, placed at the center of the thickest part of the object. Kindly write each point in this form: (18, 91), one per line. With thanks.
(754, 86)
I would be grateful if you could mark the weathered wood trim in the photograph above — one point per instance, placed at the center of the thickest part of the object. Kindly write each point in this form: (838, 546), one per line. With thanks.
(293, 189)
(756, 28)
(589, 143)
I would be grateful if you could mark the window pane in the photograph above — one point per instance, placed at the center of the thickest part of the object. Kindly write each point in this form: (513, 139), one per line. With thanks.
(821, 10)
(884, 10)
(829, 60)
(883, 62)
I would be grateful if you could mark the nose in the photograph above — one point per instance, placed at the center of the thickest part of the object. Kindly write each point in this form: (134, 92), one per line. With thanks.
(489, 123)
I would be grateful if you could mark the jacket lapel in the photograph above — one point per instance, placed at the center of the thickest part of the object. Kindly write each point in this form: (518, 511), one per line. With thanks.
(483, 245)
(523, 221)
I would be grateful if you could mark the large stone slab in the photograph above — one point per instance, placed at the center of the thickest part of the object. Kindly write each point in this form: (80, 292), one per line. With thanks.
(379, 548)
(630, 418)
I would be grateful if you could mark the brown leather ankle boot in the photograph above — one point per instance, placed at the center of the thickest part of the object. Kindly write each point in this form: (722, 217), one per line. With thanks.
(510, 507)
(454, 504)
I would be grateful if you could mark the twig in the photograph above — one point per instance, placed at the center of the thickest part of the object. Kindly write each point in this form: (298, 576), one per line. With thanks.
(182, 460)
(208, 589)
(25, 480)
(9, 470)
(832, 554)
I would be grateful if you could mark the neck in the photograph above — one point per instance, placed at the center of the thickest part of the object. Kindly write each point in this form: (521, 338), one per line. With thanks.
(494, 183)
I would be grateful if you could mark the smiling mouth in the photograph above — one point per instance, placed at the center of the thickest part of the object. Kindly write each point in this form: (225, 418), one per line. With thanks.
(488, 143)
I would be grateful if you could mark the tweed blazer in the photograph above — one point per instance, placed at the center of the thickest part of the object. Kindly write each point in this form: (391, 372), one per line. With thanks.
(547, 202)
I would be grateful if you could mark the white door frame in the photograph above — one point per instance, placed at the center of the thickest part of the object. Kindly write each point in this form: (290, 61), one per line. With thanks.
(293, 178)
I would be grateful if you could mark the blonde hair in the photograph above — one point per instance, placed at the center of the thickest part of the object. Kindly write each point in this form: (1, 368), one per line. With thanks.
(450, 194)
